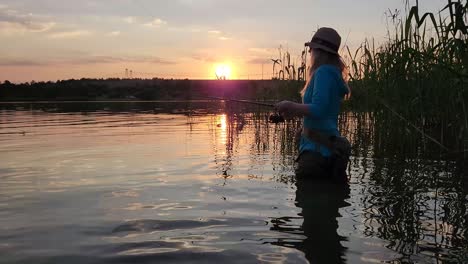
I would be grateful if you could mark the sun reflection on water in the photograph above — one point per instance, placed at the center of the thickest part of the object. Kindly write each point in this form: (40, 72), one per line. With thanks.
(221, 122)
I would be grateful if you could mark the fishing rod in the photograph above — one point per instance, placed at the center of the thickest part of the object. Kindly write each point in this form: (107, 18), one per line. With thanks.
(274, 118)
(241, 101)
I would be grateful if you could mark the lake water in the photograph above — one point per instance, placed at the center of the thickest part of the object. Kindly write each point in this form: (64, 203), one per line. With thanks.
(211, 182)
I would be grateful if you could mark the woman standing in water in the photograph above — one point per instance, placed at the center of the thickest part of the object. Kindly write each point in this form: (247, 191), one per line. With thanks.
(322, 152)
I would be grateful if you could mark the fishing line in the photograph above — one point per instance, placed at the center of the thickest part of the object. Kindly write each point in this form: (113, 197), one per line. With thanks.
(274, 118)
(240, 101)
(412, 125)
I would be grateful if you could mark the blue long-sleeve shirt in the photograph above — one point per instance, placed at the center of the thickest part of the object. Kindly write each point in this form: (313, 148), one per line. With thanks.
(323, 96)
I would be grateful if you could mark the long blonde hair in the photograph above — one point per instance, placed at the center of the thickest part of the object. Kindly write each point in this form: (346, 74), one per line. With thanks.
(322, 57)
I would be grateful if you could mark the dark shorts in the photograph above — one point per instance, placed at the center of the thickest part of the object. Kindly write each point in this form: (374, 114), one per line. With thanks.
(313, 165)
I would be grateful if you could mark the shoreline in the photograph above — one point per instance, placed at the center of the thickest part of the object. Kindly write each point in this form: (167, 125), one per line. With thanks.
(137, 90)
(124, 101)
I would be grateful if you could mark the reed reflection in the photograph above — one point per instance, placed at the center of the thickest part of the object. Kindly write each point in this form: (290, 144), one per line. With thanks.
(412, 197)
(240, 129)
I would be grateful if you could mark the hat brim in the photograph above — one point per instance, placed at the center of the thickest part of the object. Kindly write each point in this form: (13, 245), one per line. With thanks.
(313, 45)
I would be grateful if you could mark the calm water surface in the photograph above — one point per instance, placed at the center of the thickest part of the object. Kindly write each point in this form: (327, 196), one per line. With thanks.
(205, 182)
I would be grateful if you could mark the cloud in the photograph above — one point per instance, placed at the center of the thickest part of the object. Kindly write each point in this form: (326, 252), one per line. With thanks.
(88, 60)
(130, 20)
(69, 34)
(203, 57)
(156, 60)
(260, 51)
(113, 59)
(259, 61)
(13, 21)
(218, 33)
(157, 22)
(114, 33)
(20, 63)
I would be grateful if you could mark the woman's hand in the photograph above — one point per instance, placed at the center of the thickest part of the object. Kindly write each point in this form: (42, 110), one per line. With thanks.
(285, 108)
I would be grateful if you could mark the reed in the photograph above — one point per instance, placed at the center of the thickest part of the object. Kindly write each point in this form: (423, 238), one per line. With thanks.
(287, 67)
(420, 72)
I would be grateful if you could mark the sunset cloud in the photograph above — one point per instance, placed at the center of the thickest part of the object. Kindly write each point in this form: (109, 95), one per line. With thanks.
(130, 19)
(86, 60)
(20, 63)
(157, 22)
(260, 51)
(203, 55)
(259, 61)
(114, 59)
(114, 33)
(70, 34)
(13, 21)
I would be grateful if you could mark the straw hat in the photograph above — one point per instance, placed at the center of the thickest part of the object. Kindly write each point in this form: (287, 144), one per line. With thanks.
(326, 39)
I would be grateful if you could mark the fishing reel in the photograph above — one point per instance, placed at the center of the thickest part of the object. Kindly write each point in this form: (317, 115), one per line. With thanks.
(276, 118)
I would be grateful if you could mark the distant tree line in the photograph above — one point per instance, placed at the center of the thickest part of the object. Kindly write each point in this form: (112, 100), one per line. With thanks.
(88, 89)
(147, 89)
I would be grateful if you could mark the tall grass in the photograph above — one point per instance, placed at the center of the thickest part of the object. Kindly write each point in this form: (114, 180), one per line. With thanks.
(420, 72)
(288, 67)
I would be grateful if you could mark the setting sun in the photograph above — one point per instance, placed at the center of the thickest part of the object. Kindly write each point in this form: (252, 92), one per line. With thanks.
(223, 71)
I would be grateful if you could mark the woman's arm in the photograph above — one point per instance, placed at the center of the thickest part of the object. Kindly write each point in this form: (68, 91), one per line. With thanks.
(290, 109)
(322, 87)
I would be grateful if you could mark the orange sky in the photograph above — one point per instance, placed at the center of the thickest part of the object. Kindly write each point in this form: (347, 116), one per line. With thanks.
(62, 39)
